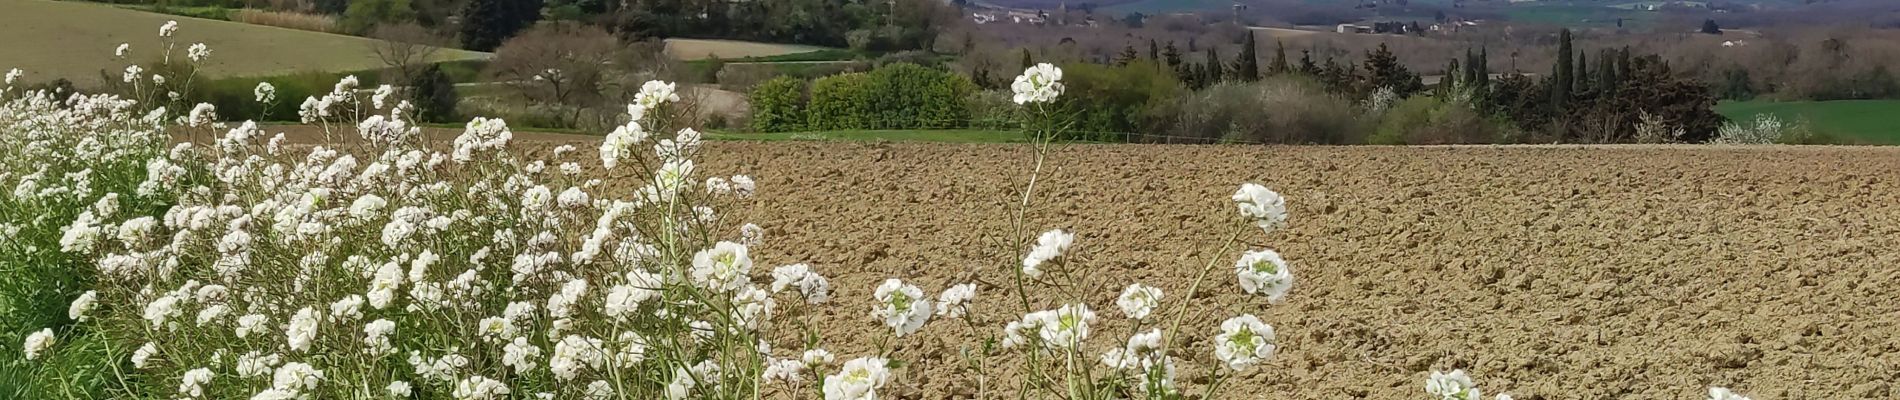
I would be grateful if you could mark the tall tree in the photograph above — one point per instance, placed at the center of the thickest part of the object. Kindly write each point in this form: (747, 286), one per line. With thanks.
(1247, 67)
(1128, 55)
(1385, 71)
(1561, 79)
(1606, 83)
(486, 23)
(434, 95)
(1306, 63)
(1215, 70)
(1154, 50)
(1709, 27)
(1172, 55)
(1279, 65)
(1583, 73)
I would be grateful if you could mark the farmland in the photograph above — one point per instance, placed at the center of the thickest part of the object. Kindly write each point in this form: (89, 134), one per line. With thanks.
(75, 40)
(701, 49)
(1869, 121)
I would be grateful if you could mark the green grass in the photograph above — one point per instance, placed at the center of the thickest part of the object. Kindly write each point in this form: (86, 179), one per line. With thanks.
(74, 40)
(941, 136)
(1155, 7)
(1868, 121)
(1577, 15)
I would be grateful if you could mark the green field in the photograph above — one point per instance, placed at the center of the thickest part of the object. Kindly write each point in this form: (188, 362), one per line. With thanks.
(1869, 121)
(1154, 7)
(75, 40)
(1577, 15)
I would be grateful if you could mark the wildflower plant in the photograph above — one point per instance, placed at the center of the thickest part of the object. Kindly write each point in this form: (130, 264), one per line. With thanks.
(239, 267)
(1054, 340)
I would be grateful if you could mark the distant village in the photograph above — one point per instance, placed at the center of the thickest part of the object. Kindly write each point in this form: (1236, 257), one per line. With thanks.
(989, 14)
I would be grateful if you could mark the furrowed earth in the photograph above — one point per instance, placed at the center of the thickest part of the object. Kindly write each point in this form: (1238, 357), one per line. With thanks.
(1632, 272)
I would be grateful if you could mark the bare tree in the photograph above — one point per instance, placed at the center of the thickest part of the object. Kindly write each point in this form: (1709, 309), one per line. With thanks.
(405, 48)
(562, 67)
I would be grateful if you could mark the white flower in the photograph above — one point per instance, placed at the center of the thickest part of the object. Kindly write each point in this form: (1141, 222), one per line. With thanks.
(1142, 351)
(901, 307)
(1067, 327)
(376, 337)
(38, 342)
(161, 310)
(296, 376)
(955, 301)
(143, 354)
(1264, 273)
(1454, 385)
(1039, 84)
(192, 383)
(623, 300)
(169, 28)
(198, 52)
(367, 207)
(302, 329)
(212, 314)
(1717, 393)
(203, 113)
(751, 234)
(264, 92)
(255, 364)
(14, 75)
(723, 267)
(574, 353)
(381, 95)
(619, 144)
(786, 371)
(1138, 300)
(133, 73)
(599, 390)
(480, 388)
(82, 305)
(1265, 207)
(521, 355)
(1243, 342)
(250, 323)
(398, 389)
(122, 50)
(651, 96)
(1048, 247)
(348, 309)
(815, 358)
(859, 379)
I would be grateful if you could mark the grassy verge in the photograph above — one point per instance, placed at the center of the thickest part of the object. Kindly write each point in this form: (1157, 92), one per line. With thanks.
(1863, 121)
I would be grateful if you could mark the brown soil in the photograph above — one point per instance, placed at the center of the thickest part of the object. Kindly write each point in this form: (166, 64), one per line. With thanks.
(1551, 273)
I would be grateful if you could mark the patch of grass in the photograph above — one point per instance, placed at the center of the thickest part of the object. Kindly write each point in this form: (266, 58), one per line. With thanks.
(1155, 7)
(1577, 15)
(74, 40)
(1864, 121)
(205, 12)
(700, 49)
(810, 56)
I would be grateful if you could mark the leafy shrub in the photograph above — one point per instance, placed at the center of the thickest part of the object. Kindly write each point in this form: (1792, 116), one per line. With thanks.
(778, 105)
(840, 102)
(1431, 120)
(1107, 98)
(1281, 109)
(901, 96)
(911, 96)
(1764, 129)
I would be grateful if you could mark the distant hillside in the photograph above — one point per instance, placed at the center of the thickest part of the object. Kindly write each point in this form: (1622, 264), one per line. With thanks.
(1052, 4)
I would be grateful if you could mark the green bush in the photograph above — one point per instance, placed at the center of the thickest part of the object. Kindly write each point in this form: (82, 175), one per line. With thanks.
(235, 97)
(911, 96)
(1116, 99)
(1281, 109)
(1431, 120)
(778, 105)
(840, 102)
(900, 96)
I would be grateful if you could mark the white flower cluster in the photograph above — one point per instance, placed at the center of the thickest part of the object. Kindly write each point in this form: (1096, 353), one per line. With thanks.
(1456, 385)
(1049, 248)
(1041, 83)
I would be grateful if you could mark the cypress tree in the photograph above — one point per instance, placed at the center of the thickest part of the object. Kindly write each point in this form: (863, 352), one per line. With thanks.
(1248, 66)
(1172, 55)
(1306, 63)
(1215, 71)
(1561, 78)
(1583, 72)
(434, 94)
(1154, 50)
(1279, 65)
